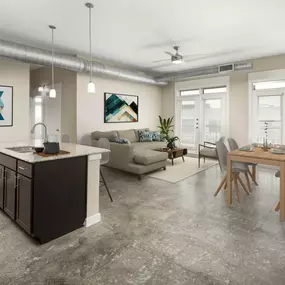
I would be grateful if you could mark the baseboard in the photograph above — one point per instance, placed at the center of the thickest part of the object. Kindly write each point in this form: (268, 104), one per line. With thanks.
(89, 221)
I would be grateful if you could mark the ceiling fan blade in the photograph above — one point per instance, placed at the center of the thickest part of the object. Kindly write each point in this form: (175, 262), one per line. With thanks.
(161, 65)
(160, 60)
(193, 55)
(169, 53)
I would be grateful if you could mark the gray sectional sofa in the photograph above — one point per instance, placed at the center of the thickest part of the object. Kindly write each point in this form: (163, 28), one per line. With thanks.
(135, 157)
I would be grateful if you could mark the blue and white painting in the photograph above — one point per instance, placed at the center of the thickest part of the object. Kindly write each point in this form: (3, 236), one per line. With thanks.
(6, 106)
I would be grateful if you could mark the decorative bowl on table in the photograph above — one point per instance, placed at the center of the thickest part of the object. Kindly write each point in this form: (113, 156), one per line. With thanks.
(246, 148)
(278, 151)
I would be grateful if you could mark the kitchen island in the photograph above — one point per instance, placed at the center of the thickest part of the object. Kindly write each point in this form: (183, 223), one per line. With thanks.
(51, 196)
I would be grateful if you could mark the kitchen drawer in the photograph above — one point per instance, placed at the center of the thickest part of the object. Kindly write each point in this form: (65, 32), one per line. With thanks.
(25, 168)
(8, 161)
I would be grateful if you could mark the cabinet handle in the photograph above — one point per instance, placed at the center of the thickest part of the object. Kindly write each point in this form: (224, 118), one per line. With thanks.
(16, 182)
(5, 174)
(22, 168)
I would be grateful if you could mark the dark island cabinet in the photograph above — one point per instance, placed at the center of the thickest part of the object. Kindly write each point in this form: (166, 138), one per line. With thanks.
(24, 202)
(2, 179)
(10, 193)
(46, 199)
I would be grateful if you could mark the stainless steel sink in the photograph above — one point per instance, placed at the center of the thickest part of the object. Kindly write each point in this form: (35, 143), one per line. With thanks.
(21, 149)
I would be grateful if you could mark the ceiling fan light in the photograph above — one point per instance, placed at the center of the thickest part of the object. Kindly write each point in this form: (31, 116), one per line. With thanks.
(177, 61)
(52, 93)
(91, 87)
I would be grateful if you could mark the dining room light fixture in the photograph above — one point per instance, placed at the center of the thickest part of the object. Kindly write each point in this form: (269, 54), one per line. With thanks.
(91, 85)
(52, 92)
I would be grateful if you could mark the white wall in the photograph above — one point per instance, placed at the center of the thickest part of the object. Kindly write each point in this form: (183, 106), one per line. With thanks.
(90, 107)
(17, 75)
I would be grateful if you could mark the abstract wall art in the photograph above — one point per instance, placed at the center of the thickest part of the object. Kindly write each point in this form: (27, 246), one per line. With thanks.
(6, 106)
(120, 108)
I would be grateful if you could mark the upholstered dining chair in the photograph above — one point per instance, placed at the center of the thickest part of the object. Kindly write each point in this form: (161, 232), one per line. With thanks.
(237, 168)
(233, 145)
(208, 150)
(104, 143)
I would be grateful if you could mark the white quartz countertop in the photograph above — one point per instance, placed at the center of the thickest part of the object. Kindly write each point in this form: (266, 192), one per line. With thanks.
(74, 149)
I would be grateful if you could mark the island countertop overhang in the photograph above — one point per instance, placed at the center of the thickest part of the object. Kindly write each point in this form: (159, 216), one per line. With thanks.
(74, 150)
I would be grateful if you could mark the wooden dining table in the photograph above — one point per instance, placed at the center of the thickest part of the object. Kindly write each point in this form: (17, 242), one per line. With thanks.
(257, 156)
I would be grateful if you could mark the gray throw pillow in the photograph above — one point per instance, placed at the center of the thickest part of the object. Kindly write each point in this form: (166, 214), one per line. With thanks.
(111, 135)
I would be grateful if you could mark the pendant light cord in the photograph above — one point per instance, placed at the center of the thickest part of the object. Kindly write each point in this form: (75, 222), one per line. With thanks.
(52, 56)
(90, 43)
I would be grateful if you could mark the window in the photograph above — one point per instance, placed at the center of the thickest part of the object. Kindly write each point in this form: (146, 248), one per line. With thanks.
(214, 90)
(189, 92)
(268, 85)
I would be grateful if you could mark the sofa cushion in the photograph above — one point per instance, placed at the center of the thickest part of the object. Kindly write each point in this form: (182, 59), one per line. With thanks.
(145, 136)
(148, 157)
(127, 134)
(148, 145)
(137, 133)
(111, 135)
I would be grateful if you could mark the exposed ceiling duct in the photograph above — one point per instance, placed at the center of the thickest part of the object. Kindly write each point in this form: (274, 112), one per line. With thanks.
(42, 57)
(202, 72)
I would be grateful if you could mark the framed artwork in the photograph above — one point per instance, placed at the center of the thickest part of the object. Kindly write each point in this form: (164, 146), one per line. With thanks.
(6, 106)
(120, 108)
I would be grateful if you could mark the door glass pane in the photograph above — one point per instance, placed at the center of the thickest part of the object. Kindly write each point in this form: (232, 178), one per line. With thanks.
(274, 132)
(214, 90)
(188, 122)
(213, 119)
(190, 92)
(269, 119)
(268, 85)
(269, 108)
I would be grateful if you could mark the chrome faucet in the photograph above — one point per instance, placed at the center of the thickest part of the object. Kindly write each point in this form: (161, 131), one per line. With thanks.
(45, 127)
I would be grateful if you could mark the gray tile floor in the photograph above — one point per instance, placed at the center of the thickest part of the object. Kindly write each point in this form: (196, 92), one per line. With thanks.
(159, 233)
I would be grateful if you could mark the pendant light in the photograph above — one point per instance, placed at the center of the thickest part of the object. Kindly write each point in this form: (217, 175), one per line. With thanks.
(52, 92)
(91, 84)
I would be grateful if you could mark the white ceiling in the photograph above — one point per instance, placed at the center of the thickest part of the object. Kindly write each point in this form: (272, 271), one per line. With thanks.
(134, 33)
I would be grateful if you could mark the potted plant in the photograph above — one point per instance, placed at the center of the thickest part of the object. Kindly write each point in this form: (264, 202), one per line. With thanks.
(171, 142)
(166, 127)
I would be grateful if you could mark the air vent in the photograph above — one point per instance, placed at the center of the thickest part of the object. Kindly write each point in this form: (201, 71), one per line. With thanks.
(226, 68)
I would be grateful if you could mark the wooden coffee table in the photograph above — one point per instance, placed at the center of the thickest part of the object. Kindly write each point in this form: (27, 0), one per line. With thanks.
(175, 153)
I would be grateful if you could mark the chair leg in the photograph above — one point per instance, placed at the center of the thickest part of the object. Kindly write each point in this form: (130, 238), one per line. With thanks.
(243, 186)
(236, 185)
(225, 187)
(248, 182)
(252, 177)
(204, 159)
(221, 185)
(220, 165)
(105, 184)
(276, 207)
(199, 157)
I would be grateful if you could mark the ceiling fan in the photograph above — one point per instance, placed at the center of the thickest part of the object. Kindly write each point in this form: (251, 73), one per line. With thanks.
(175, 58)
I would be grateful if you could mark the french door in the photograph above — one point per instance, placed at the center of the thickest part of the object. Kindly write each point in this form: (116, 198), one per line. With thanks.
(202, 118)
